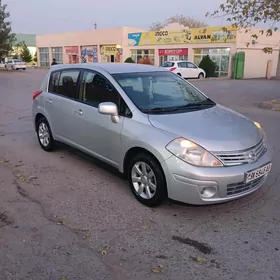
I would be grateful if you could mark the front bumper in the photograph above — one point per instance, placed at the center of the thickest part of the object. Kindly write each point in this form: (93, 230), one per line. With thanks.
(185, 181)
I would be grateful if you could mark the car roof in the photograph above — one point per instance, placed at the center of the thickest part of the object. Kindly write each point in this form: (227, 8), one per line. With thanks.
(176, 61)
(111, 68)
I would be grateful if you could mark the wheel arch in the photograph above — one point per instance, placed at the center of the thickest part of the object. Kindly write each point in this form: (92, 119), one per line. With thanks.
(133, 152)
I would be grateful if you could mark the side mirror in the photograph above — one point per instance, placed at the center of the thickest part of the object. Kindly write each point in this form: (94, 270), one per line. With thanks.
(110, 109)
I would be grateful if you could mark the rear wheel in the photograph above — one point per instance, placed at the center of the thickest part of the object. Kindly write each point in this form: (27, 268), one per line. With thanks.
(147, 180)
(44, 135)
(23, 68)
(179, 74)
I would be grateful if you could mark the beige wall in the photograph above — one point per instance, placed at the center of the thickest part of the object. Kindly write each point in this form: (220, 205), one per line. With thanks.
(255, 59)
(114, 36)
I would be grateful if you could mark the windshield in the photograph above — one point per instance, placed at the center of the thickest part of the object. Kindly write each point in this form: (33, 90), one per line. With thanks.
(159, 92)
(168, 64)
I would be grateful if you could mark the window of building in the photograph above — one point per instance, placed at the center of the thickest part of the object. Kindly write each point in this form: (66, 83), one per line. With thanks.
(57, 54)
(44, 56)
(220, 56)
(143, 56)
(65, 83)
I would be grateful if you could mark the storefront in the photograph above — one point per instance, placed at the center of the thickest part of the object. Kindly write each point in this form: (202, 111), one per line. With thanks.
(188, 44)
(143, 56)
(110, 53)
(221, 57)
(89, 54)
(172, 55)
(73, 54)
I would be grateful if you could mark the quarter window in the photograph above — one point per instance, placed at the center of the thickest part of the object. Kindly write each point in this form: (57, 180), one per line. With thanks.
(53, 85)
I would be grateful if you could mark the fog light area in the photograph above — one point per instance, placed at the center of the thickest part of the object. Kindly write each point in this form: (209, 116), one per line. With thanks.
(207, 192)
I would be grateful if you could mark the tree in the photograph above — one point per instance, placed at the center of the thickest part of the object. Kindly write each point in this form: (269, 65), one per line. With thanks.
(25, 54)
(129, 60)
(208, 65)
(7, 38)
(183, 20)
(249, 13)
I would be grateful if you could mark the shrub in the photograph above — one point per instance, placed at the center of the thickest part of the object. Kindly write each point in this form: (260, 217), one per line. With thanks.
(208, 65)
(129, 60)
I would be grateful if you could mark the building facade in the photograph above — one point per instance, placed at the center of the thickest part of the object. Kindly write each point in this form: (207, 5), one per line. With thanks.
(175, 42)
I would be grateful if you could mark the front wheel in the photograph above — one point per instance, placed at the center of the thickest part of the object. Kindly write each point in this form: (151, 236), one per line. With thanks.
(44, 135)
(201, 76)
(147, 180)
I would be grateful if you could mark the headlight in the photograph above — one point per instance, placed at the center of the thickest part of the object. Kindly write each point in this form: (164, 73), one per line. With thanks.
(192, 153)
(261, 130)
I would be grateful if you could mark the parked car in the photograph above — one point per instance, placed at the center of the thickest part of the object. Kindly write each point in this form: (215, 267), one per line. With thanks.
(15, 64)
(166, 136)
(185, 69)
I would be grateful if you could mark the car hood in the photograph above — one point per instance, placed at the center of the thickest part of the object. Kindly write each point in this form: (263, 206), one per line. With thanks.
(216, 129)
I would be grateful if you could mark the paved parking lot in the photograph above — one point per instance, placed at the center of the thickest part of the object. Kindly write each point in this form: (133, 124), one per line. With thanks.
(64, 216)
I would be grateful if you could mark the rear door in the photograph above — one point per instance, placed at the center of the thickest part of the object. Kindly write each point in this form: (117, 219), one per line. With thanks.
(60, 103)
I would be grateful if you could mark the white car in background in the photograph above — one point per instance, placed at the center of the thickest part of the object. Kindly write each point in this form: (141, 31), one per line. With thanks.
(185, 69)
(15, 64)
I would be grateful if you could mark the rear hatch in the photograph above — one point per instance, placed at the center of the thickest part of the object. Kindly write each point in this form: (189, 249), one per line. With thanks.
(169, 65)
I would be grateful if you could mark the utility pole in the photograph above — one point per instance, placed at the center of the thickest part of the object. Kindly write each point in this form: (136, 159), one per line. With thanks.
(95, 26)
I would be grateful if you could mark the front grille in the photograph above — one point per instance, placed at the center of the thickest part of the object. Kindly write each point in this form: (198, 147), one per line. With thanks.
(238, 188)
(242, 157)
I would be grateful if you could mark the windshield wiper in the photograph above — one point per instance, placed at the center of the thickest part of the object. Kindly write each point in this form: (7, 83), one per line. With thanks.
(158, 110)
(206, 103)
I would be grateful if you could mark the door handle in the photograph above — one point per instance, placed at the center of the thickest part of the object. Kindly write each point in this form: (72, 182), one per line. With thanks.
(80, 112)
(49, 100)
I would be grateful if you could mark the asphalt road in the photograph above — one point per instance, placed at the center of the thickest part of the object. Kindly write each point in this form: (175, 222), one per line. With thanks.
(63, 216)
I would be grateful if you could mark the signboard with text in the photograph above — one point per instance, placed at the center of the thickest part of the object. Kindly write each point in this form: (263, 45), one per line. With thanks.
(188, 36)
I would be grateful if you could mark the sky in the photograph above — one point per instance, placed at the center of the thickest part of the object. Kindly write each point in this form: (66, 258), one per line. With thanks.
(53, 16)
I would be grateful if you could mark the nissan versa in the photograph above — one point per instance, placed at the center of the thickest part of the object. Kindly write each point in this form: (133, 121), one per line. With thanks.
(166, 136)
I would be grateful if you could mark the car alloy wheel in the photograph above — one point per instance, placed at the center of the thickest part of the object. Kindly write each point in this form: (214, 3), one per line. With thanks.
(144, 180)
(147, 180)
(45, 135)
(201, 76)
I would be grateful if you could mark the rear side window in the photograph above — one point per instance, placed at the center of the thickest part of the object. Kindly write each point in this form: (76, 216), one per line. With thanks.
(65, 83)
(168, 64)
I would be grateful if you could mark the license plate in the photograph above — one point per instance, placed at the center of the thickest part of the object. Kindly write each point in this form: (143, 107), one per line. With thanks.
(257, 173)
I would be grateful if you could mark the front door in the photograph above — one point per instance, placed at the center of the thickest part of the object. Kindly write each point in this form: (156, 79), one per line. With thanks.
(192, 70)
(183, 69)
(98, 134)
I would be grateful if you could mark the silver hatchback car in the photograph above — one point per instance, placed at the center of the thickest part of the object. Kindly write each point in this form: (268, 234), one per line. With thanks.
(166, 136)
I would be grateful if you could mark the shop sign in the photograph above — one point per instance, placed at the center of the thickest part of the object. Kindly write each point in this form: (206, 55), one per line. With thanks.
(214, 35)
(188, 36)
(72, 50)
(166, 52)
(108, 50)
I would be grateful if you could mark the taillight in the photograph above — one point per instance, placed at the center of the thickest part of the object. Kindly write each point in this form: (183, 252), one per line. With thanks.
(172, 69)
(36, 93)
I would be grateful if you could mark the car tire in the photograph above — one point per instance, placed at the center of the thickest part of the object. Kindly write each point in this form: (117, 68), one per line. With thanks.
(179, 74)
(44, 134)
(23, 68)
(147, 180)
(201, 76)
